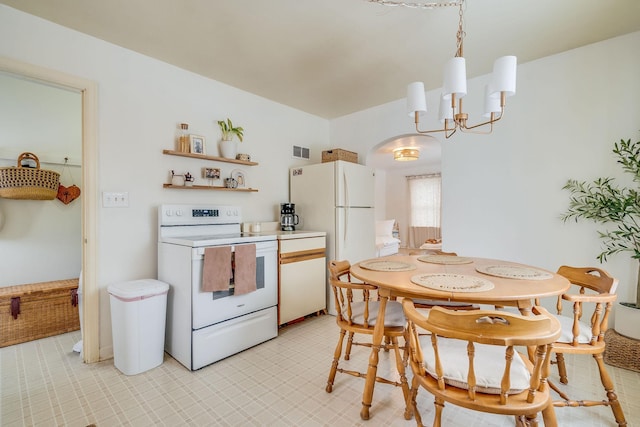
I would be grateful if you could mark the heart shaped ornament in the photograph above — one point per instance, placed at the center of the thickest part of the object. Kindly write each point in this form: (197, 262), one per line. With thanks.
(68, 194)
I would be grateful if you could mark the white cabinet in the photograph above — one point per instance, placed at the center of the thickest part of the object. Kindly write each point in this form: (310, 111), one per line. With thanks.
(302, 274)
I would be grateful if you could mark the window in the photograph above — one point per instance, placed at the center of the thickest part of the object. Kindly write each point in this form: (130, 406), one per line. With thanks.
(424, 200)
(424, 194)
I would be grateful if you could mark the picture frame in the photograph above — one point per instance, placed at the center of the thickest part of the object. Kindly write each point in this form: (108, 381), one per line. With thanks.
(211, 173)
(196, 144)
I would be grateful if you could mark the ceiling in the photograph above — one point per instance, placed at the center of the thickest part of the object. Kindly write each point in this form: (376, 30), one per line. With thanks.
(335, 57)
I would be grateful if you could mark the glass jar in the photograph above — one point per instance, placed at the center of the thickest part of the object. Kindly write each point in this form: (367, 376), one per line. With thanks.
(183, 138)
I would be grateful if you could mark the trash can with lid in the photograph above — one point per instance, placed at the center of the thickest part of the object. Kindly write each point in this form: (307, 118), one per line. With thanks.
(138, 318)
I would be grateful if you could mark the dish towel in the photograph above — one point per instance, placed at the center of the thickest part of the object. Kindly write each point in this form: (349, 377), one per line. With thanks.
(245, 272)
(216, 271)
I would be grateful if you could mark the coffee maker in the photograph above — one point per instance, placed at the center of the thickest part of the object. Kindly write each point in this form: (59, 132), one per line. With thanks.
(288, 217)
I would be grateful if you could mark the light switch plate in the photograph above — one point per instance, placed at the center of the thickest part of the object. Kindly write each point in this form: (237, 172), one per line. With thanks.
(119, 199)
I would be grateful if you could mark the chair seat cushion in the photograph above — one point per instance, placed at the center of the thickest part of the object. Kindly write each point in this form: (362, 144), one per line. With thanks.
(566, 322)
(489, 363)
(393, 316)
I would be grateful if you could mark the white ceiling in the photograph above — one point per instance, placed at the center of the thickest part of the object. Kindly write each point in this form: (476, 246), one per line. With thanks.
(334, 57)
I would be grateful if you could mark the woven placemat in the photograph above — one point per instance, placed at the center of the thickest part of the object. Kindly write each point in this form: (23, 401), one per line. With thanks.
(445, 259)
(383, 265)
(514, 272)
(452, 282)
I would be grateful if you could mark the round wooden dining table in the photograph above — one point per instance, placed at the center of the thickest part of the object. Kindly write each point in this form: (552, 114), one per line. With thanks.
(451, 278)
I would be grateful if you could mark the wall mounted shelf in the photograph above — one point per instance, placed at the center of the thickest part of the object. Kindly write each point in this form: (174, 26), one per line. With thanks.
(209, 187)
(204, 157)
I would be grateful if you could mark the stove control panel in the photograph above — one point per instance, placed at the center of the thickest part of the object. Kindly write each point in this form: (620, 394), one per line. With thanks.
(172, 215)
(205, 212)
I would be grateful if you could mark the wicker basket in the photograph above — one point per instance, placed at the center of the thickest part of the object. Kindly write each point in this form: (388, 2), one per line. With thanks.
(38, 310)
(28, 183)
(621, 351)
(339, 154)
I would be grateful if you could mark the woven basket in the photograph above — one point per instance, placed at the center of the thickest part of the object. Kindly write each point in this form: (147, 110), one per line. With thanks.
(28, 183)
(621, 351)
(339, 154)
(38, 310)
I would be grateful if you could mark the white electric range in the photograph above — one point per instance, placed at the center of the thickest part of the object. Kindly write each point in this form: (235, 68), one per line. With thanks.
(204, 327)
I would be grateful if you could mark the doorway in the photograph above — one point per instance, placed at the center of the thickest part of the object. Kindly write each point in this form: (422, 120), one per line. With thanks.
(88, 92)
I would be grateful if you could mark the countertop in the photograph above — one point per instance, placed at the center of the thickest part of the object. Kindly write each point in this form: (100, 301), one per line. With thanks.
(300, 234)
(284, 235)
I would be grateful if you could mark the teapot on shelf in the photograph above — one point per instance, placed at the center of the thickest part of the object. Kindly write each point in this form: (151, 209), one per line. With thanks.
(188, 179)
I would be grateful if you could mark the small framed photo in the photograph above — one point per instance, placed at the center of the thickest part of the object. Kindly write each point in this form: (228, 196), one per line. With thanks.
(211, 173)
(196, 143)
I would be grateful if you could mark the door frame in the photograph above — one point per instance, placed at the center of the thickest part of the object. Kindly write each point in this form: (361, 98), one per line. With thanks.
(90, 290)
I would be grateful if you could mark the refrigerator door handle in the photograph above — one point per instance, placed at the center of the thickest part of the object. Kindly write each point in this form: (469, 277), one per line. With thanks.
(346, 189)
(346, 224)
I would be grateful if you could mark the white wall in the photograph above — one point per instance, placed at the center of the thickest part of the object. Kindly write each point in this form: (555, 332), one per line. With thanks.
(140, 102)
(40, 239)
(502, 193)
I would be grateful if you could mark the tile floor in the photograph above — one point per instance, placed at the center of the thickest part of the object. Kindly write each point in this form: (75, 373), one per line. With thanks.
(278, 383)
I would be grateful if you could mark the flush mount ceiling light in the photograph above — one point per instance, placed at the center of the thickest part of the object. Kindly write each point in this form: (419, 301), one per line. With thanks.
(406, 154)
(503, 84)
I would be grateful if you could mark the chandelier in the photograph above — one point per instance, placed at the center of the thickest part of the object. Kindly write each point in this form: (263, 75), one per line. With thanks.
(451, 114)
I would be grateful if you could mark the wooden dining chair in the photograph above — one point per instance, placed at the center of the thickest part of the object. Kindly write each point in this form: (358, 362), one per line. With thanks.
(469, 360)
(453, 305)
(594, 291)
(357, 312)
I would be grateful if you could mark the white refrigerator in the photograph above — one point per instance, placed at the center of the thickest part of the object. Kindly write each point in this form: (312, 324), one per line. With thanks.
(337, 197)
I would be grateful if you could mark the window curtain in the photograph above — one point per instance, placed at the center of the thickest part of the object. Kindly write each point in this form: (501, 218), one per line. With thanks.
(424, 199)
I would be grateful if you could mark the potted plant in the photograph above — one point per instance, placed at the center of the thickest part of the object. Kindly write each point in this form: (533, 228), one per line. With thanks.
(228, 146)
(602, 201)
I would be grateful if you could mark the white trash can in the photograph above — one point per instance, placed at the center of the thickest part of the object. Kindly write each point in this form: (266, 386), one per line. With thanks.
(138, 318)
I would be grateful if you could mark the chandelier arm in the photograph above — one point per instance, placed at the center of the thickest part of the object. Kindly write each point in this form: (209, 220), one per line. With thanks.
(488, 122)
(431, 130)
(417, 122)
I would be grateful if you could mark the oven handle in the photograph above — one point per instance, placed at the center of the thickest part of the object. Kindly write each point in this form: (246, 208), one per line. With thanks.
(199, 252)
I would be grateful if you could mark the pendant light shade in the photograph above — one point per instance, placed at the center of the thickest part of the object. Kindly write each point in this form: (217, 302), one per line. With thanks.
(503, 78)
(455, 78)
(446, 111)
(491, 103)
(416, 100)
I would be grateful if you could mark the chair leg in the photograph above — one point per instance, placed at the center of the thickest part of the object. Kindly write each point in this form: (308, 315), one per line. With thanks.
(412, 402)
(531, 420)
(549, 415)
(403, 378)
(562, 369)
(611, 394)
(334, 364)
(347, 352)
(439, 404)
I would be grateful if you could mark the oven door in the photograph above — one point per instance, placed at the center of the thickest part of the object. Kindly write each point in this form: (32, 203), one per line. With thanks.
(213, 307)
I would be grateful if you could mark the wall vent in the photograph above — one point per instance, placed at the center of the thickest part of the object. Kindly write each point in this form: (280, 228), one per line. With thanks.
(300, 152)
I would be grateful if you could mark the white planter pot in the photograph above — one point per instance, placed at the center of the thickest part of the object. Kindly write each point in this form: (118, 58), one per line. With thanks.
(627, 321)
(229, 149)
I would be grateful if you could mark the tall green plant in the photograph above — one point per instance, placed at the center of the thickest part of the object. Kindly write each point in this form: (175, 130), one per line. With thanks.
(602, 201)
